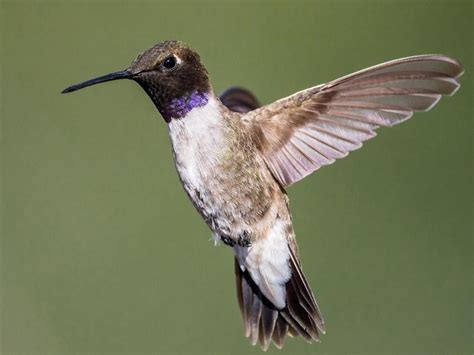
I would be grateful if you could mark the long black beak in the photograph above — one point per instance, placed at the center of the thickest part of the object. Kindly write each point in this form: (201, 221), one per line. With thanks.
(123, 74)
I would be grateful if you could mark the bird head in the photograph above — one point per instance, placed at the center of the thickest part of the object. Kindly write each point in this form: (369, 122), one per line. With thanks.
(172, 75)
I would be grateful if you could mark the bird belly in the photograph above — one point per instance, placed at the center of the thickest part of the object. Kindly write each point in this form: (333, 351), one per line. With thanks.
(230, 186)
(226, 200)
(199, 141)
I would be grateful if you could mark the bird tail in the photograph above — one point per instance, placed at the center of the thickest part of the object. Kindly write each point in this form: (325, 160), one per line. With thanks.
(264, 322)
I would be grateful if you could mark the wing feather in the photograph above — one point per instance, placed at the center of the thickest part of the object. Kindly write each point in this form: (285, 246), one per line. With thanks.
(314, 127)
(239, 100)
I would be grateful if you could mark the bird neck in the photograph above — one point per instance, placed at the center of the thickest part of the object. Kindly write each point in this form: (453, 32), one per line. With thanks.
(179, 107)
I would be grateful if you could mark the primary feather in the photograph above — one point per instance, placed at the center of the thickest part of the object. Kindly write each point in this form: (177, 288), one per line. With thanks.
(312, 128)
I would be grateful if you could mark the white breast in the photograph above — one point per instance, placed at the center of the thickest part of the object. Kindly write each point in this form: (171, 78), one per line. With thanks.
(197, 139)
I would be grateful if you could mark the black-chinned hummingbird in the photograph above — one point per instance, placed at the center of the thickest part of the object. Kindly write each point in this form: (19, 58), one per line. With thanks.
(235, 159)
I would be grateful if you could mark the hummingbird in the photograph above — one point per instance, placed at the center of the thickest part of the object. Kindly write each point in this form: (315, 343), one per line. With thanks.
(235, 158)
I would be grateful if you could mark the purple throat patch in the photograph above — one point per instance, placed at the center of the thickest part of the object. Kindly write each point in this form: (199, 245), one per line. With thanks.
(179, 107)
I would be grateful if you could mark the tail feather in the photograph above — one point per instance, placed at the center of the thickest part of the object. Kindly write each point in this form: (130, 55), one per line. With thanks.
(305, 295)
(279, 333)
(267, 325)
(255, 317)
(297, 317)
(264, 322)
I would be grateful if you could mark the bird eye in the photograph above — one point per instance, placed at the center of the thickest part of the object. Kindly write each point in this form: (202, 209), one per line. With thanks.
(169, 63)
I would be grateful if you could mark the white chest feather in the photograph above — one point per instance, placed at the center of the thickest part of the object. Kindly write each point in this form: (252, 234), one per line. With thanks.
(197, 139)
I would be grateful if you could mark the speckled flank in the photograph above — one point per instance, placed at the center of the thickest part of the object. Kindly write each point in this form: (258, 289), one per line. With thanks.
(179, 107)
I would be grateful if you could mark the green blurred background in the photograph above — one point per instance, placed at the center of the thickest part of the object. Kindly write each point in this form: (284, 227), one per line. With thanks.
(101, 251)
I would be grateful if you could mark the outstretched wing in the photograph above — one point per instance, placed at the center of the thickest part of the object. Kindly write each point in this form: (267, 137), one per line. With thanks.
(314, 127)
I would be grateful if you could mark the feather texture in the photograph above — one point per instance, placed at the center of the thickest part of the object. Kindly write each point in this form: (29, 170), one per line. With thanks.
(263, 322)
(312, 128)
(239, 100)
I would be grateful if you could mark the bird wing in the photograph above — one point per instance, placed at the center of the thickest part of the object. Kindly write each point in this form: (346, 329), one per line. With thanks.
(312, 128)
(239, 100)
